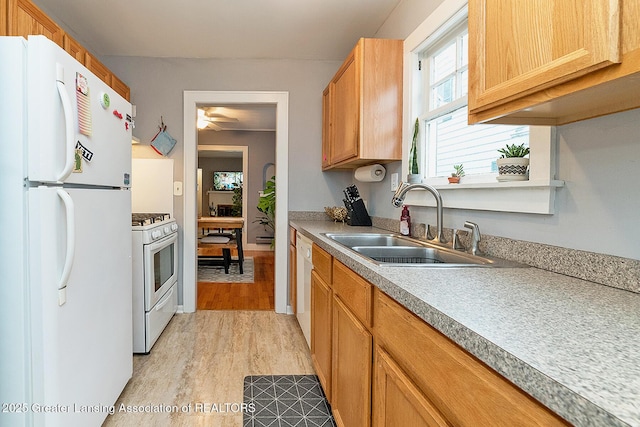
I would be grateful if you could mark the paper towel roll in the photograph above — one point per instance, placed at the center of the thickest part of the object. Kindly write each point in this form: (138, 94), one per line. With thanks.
(372, 173)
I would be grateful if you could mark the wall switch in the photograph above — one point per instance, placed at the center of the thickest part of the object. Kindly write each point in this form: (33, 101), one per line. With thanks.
(394, 181)
(177, 188)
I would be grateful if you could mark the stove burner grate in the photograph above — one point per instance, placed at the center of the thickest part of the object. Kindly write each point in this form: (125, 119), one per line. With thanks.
(141, 219)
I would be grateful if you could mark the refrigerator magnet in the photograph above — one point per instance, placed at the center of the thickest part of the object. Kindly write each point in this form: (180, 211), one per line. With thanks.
(77, 164)
(84, 105)
(86, 154)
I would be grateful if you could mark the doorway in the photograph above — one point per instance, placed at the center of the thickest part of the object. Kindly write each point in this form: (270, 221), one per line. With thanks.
(192, 99)
(209, 200)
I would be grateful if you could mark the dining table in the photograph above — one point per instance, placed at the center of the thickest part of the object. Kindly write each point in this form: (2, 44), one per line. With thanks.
(207, 224)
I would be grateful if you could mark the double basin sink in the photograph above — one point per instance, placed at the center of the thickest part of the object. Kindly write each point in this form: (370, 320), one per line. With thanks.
(397, 250)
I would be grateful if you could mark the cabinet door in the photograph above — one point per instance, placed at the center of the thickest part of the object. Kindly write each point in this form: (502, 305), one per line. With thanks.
(75, 49)
(517, 48)
(25, 18)
(396, 399)
(321, 302)
(98, 68)
(352, 354)
(120, 87)
(326, 126)
(345, 117)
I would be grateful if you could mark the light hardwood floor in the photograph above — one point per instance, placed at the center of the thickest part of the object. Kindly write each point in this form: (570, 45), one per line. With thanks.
(258, 295)
(202, 358)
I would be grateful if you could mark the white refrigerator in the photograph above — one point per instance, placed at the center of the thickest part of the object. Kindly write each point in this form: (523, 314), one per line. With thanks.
(65, 241)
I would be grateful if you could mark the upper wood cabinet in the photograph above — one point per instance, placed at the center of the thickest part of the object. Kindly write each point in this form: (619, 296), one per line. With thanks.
(120, 87)
(24, 18)
(97, 68)
(362, 107)
(326, 126)
(552, 63)
(75, 49)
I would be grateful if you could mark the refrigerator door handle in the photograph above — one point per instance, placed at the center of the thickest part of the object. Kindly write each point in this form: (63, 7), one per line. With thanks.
(71, 244)
(70, 148)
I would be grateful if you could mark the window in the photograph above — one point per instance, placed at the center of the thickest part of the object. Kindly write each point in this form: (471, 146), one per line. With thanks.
(436, 92)
(448, 140)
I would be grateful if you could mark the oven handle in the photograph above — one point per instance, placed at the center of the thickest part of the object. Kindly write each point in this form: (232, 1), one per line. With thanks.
(71, 245)
(171, 238)
(165, 300)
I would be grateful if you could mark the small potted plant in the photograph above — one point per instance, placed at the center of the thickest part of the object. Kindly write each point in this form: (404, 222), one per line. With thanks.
(512, 164)
(457, 174)
(414, 175)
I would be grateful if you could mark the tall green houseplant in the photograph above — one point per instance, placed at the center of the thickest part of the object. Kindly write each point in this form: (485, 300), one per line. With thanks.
(267, 206)
(414, 173)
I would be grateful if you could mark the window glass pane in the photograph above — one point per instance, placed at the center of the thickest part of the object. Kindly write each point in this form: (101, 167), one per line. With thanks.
(443, 93)
(476, 146)
(464, 82)
(464, 50)
(444, 63)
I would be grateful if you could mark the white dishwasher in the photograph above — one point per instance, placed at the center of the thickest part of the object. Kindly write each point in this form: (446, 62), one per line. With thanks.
(304, 265)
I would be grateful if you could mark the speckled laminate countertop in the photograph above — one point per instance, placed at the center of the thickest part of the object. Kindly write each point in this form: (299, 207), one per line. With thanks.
(572, 344)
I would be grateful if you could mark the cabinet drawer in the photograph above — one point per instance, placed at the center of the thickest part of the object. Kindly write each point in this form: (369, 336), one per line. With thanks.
(465, 391)
(322, 263)
(354, 291)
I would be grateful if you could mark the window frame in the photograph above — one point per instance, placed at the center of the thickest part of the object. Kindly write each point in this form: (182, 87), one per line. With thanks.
(482, 191)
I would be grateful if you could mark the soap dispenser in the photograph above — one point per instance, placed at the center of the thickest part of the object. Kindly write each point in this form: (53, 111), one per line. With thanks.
(405, 221)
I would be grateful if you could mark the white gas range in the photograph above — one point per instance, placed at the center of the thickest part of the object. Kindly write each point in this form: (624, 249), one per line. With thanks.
(155, 276)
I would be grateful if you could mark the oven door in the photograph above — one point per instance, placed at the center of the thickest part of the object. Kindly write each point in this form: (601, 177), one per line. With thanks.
(160, 269)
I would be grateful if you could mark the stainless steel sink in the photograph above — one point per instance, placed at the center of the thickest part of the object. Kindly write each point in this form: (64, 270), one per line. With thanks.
(372, 239)
(403, 255)
(396, 250)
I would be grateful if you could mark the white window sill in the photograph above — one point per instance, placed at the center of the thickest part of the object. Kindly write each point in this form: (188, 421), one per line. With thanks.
(534, 196)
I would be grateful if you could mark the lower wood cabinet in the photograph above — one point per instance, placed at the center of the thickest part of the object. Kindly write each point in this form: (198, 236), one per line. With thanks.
(397, 401)
(443, 378)
(321, 323)
(352, 350)
(380, 365)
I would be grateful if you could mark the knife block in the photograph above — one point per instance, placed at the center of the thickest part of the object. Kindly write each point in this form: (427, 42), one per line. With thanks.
(357, 214)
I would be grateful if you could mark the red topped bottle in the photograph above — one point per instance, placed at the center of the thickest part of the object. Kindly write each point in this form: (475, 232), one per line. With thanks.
(405, 221)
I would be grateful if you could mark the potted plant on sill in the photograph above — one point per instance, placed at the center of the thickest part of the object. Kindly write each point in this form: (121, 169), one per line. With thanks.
(512, 164)
(414, 174)
(457, 174)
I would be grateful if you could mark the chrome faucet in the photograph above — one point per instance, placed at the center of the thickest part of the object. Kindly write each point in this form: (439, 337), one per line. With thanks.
(398, 199)
(475, 237)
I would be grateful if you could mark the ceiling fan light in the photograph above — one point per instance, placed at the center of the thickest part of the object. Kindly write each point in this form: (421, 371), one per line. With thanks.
(201, 123)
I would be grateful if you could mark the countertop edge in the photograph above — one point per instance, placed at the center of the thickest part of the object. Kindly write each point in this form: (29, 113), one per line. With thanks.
(559, 398)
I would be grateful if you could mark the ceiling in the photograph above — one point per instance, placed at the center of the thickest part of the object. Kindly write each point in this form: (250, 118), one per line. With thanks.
(257, 29)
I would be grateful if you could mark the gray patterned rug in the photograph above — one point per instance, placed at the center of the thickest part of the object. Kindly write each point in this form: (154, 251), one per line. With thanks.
(215, 273)
(285, 401)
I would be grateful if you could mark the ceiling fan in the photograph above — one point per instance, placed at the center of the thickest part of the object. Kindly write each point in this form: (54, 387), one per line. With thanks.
(210, 120)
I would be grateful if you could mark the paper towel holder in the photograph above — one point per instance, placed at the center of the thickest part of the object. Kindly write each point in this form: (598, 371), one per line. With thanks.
(374, 173)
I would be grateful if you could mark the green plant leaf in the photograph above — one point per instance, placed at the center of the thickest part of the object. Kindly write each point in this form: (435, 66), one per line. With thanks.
(413, 153)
